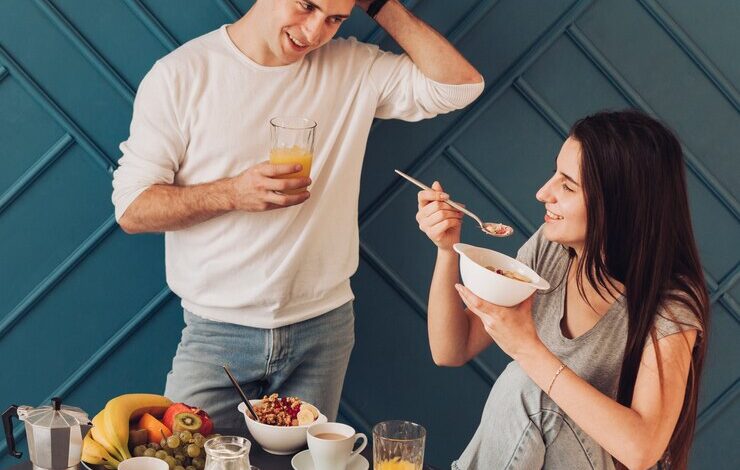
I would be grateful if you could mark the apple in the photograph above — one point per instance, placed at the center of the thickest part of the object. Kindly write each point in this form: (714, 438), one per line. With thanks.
(175, 409)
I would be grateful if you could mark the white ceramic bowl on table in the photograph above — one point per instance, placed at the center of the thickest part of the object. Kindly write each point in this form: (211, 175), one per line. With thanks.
(491, 286)
(278, 440)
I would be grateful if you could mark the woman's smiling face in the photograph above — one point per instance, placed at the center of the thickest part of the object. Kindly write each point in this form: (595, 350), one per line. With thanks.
(564, 199)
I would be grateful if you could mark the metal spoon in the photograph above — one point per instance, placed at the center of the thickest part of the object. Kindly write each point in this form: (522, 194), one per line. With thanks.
(489, 228)
(241, 393)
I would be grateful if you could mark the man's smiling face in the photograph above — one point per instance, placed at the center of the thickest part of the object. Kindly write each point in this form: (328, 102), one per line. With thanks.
(297, 27)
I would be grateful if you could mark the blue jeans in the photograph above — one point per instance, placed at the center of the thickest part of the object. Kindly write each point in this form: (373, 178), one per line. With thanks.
(523, 429)
(307, 360)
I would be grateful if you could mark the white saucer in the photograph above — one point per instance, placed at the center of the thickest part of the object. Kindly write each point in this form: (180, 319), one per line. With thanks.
(304, 461)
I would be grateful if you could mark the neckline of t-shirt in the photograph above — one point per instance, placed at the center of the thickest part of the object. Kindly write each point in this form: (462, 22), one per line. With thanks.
(561, 308)
(251, 63)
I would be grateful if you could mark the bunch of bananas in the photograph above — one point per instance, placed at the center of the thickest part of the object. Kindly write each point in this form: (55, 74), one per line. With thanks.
(107, 442)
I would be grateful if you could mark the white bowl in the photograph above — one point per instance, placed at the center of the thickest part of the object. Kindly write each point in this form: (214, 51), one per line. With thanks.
(143, 463)
(490, 286)
(278, 440)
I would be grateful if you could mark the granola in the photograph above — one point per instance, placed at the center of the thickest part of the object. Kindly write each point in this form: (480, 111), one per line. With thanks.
(284, 411)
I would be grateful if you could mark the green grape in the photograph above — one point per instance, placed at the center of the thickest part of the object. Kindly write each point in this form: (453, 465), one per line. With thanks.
(190, 467)
(170, 461)
(173, 442)
(161, 454)
(199, 463)
(193, 450)
(179, 467)
(139, 450)
(198, 439)
(149, 452)
(163, 443)
(180, 457)
(185, 436)
(155, 446)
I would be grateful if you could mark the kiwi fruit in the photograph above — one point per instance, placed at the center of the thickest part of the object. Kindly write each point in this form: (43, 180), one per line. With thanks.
(186, 422)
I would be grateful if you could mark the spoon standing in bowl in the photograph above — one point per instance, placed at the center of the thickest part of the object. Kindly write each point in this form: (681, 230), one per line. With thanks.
(241, 393)
(489, 228)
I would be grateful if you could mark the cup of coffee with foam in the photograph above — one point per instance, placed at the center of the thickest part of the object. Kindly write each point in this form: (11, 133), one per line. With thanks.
(332, 445)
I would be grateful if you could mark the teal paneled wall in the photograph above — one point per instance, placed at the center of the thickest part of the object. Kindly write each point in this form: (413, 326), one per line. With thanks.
(84, 309)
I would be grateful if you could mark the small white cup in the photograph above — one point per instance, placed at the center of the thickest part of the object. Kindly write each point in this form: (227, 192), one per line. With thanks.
(334, 454)
(143, 463)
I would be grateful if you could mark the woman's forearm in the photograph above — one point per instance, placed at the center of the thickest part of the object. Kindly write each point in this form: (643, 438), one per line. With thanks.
(620, 430)
(447, 322)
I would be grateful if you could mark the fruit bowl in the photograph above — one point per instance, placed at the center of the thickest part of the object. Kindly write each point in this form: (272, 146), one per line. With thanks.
(278, 440)
(491, 286)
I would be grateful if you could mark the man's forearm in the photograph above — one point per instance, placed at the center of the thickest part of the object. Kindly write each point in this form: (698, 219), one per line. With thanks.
(430, 51)
(164, 208)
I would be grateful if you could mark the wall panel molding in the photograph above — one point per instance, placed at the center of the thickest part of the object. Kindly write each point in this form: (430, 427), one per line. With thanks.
(631, 95)
(87, 50)
(44, 162)
(152, 23)
(718, 405)
(231, 11)
(62, 118)
(56, 275)
(693, 51)
(393, 280)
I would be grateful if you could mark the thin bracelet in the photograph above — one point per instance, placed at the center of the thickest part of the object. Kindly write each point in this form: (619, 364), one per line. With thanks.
(375, 7)
(562, 366)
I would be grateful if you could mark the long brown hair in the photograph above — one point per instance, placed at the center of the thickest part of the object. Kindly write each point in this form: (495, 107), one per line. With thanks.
(639, 233)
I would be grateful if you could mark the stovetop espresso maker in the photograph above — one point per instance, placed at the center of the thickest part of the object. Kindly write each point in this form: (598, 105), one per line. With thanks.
(54, 434)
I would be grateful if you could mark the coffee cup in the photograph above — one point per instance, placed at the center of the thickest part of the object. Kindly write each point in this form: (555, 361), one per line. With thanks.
(332, 445)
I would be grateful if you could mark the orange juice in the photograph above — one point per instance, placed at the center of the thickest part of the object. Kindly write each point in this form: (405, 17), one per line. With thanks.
(395, 464)
(293, 155)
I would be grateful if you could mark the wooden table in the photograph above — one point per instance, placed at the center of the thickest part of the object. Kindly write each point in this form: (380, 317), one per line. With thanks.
(257, 456)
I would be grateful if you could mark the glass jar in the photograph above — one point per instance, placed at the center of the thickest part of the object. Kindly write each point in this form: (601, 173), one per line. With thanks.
(227, 453)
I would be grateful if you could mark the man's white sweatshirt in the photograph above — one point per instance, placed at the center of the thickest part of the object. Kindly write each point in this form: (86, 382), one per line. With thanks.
(202, 113)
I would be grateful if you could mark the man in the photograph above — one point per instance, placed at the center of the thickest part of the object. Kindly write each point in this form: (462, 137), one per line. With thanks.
(264, 275)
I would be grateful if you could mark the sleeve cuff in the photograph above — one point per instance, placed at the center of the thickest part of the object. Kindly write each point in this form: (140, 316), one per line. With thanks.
(458, 96)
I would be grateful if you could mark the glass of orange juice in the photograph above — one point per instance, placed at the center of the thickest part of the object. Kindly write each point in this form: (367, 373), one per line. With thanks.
(292, 141)
(398, 445)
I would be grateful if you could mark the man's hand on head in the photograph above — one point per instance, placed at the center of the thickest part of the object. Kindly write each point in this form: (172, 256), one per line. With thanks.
(364, 4)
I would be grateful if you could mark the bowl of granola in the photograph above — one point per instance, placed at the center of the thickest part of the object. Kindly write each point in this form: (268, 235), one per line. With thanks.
(495, 277)
(282, 424)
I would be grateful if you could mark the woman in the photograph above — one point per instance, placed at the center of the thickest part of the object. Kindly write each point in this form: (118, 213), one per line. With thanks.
(606, 364)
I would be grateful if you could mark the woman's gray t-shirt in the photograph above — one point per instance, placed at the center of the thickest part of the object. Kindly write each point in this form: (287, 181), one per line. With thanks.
(595, 356)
